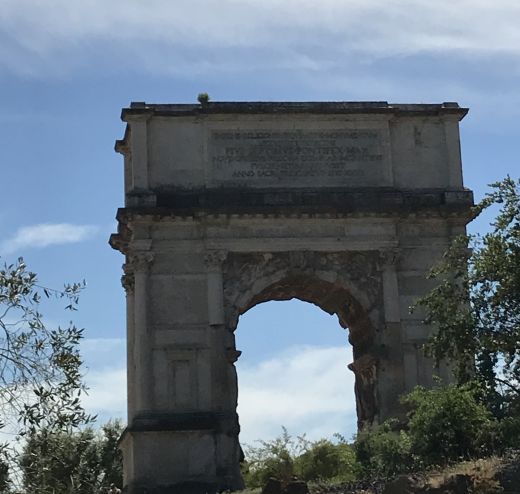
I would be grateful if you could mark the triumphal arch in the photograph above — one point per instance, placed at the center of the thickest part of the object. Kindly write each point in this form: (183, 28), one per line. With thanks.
(227, 205)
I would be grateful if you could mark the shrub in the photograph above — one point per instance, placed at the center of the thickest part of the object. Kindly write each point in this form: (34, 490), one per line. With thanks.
(324, 460)
(203, 98)
(447, 423)
(285, 458)
(384, 450)
(509, 432)
(271, 459)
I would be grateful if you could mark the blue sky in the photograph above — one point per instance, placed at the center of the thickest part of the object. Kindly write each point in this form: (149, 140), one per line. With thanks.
(67, 67)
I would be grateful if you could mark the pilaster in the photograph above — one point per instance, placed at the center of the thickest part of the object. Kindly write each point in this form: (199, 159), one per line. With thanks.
(213, 260)
(139, 264)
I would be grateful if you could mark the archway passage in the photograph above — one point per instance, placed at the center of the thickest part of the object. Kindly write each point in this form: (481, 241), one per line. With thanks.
(327, 280)
(293, 373)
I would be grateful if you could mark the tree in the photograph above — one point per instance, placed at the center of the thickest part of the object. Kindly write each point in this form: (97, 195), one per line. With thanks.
(475, 307)
(82, 462)
(40, 376)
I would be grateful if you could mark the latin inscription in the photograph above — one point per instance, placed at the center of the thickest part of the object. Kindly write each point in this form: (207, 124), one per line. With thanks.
(283, 156)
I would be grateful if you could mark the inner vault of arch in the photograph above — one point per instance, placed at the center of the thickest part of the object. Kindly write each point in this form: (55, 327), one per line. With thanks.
(347, 284)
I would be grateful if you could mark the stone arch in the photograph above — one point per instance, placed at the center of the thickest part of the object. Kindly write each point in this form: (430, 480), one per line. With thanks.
(228, 204)
(345, 284)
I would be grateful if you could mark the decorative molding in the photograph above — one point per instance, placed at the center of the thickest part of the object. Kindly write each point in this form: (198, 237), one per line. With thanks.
(128, 279)
(128, 282)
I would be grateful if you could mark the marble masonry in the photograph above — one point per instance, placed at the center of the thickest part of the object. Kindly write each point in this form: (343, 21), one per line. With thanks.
(342, 204)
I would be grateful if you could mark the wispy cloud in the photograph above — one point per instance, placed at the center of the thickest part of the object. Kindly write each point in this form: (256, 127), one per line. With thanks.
(307, 389)
(204, 35)
(45, 235)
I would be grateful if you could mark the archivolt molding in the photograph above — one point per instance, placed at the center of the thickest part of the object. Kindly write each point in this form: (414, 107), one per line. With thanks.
(316, 277)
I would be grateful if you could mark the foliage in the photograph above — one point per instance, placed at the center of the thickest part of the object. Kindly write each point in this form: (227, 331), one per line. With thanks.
(40, 365)
(445, 424)
(508, 432)
(448, 423)
(273, 458)
(40, 380)
(324, 460)
(286, 457)
(81, 462)
(476, 305)
(203, 98)
(384, 450)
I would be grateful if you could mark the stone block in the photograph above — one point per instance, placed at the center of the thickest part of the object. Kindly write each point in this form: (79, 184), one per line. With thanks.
(178, 299)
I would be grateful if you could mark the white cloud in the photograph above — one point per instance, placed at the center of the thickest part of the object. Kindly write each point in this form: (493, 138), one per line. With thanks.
(306, 389)
(107, 393)
(105, 363)
(46, 234)
(204, 35)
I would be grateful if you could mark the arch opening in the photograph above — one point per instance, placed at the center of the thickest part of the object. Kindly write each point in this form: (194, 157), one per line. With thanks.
(293, 372)
(332, 297)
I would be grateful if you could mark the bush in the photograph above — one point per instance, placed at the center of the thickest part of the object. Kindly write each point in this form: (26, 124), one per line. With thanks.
(271, 459)
(384, 450)
(285, 458)
(509, 433)
(324, 460)
(448, 423)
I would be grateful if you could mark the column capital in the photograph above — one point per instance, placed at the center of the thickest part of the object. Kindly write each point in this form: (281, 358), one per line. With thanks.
(389, 257)
(139, 261)
(213, 259)
(127, 280)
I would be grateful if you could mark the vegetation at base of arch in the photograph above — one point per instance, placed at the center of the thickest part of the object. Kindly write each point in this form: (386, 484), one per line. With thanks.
(444, 425)
(475, 307)
(286, 457)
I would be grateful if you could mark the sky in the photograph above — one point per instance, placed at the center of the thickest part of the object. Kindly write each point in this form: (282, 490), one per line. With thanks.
(67, 67)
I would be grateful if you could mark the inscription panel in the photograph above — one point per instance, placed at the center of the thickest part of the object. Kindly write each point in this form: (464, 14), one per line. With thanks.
(259, 158)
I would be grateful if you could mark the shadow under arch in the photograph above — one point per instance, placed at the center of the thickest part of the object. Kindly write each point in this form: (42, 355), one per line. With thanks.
(333, 294)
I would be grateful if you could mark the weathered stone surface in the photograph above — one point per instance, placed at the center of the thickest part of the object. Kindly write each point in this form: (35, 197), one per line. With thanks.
(343, 205)
(273, 486)
(400, 485)
(296, 487)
